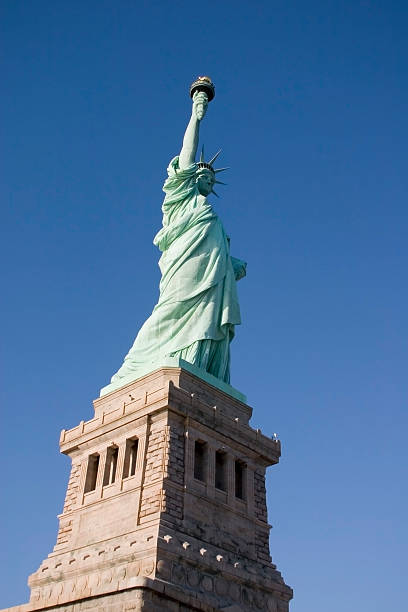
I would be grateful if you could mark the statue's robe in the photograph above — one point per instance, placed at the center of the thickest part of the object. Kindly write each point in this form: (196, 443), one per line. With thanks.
(198, 304)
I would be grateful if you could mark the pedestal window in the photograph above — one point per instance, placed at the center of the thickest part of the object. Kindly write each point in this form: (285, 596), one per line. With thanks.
(91, 473)
(110, 465)
(221, 470)
(240, 479)
(129, 466)
(200, 457)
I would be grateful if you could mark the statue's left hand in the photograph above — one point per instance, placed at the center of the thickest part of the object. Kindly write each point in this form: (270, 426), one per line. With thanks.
(239, 268)
(200, 104)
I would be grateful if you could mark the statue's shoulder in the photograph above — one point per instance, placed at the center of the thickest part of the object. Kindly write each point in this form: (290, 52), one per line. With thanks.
(174, 169)
(173, 166)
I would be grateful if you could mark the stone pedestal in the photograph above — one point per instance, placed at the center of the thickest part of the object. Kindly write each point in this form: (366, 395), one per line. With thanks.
(165, 508)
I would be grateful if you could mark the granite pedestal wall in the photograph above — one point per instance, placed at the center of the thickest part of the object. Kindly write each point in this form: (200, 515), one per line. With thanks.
(165, 507)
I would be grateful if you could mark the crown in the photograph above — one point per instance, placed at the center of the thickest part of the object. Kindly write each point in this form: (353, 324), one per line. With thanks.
(201, 164)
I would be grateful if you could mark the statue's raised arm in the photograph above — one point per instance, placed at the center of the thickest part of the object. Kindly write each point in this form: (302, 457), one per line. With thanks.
(202, 91)
(190, 140)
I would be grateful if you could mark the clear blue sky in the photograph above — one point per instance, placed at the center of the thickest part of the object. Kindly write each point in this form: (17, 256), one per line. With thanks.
(311, 113)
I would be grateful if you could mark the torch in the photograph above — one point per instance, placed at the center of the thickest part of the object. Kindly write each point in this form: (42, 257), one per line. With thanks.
(205, 84)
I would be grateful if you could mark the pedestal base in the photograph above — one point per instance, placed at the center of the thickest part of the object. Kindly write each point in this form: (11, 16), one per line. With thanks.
(174, 362)
(166, 506)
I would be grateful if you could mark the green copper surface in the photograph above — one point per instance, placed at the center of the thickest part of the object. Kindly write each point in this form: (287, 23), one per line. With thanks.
(198, 307)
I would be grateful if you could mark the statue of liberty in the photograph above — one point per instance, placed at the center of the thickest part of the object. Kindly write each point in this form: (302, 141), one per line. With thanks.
(198, 307)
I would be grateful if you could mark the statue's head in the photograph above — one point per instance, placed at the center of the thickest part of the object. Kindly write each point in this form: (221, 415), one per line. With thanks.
(206, 175)
(205, 180)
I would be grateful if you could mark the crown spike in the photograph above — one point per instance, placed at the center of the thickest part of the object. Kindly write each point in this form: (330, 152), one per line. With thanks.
(216, 194)
(220, 183)
(214, 158)
(202, 154)
(221, 169)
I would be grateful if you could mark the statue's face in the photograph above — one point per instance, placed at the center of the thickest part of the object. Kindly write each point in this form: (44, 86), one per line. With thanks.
(205, 182)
